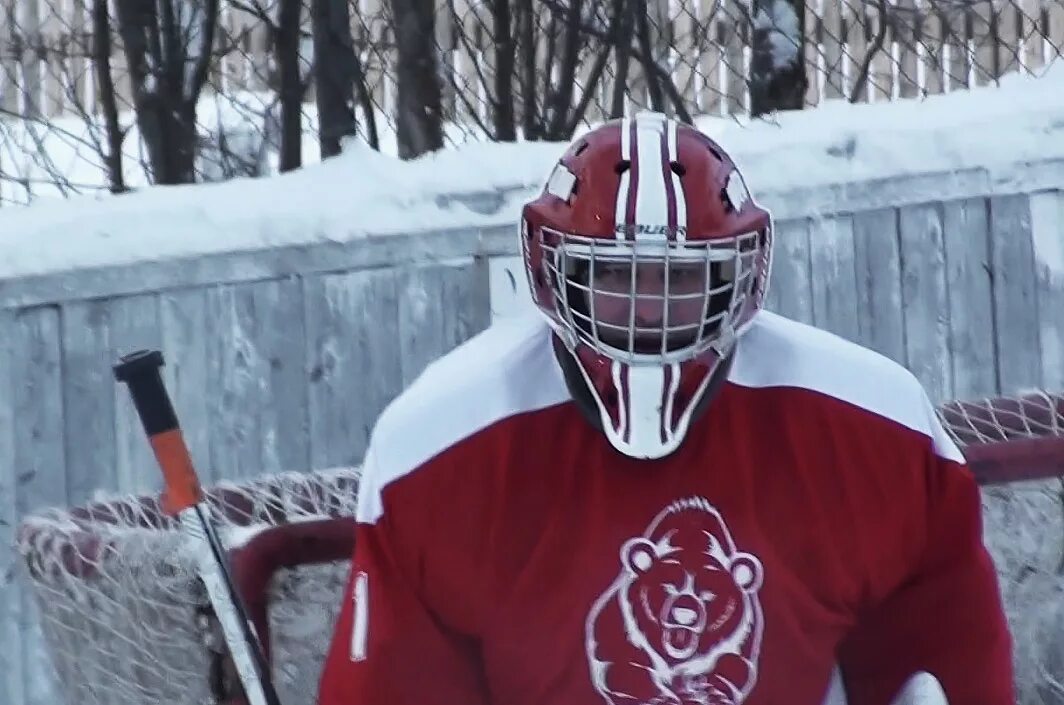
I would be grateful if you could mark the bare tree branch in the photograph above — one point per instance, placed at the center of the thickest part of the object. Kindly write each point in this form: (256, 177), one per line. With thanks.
(652, 66)
(257, 11)
(204, 54)
(596, 70)
(650, 63)
(558, 108)
(623, 48)
(877, 46)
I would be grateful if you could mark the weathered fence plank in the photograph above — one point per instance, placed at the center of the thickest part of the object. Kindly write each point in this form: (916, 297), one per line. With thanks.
(40, 461)
(1047, 223)
(89, 405)
(134, 325)
(878, 266)
(789, 289)
(284, 414)
(924, 298)
(352, 358)
(971, 306)
(234, 435)
(11, 583)
(1015, 304)
(183, 320)
(833, 276)
(508, 285)
(440, 306)
(257, 407)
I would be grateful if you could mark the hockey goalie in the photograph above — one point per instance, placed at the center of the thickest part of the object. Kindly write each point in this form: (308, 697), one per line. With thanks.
(658, 493)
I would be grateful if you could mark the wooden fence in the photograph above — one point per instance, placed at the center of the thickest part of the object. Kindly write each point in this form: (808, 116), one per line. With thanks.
(911, 48)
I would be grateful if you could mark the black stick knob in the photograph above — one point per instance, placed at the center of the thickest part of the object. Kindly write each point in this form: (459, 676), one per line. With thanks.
(142, 373)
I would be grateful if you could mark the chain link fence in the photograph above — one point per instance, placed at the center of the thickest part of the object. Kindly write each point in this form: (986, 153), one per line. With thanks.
(110, 95)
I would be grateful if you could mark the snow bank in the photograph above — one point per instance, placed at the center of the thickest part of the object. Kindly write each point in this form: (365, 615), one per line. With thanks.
(364, 192)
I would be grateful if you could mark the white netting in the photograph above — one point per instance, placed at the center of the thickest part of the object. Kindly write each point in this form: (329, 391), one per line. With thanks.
(1037, 414)
(126, 620)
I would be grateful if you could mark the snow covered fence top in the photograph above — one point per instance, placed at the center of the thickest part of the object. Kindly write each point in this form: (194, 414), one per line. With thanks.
(837, 158)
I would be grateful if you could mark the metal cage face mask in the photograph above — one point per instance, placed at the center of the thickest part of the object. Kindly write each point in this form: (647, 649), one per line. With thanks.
(654, 302)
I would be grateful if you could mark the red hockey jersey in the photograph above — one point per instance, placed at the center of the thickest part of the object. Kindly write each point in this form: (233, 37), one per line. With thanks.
(816, 538)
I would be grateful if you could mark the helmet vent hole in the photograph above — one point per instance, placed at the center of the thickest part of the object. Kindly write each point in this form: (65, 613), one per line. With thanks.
(729, 207)
(580, 149)
(622, 166)
(678, 168)
(715, 152)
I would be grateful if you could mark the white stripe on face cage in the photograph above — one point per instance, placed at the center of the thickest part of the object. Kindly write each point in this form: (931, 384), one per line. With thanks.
(646, 387)
(645, 427)
(622, 407)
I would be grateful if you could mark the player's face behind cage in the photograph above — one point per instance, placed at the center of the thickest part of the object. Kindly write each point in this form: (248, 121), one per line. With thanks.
(655, 299)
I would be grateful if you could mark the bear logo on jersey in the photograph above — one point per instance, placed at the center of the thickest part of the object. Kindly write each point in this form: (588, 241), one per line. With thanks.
(682, 623)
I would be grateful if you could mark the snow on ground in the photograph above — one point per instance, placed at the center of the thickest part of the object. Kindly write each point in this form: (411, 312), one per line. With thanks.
(365, 192)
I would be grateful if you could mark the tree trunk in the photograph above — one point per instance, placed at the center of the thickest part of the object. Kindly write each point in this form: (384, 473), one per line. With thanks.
(101, 52)
(168, 52)
(777, 71)
(561, 99)
(530, 99)
(334, 73)
(625, 36)
(365, 100)
(505, 62)
(419, 118)
(291, 85)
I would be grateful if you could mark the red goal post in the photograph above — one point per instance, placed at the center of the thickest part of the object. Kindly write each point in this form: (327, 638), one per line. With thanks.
(125, 621)
(1009, 439)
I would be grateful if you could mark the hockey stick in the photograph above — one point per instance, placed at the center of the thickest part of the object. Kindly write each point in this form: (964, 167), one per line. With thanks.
(183, 497)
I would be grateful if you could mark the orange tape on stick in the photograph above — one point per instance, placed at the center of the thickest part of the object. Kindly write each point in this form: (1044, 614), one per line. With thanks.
(182, 487)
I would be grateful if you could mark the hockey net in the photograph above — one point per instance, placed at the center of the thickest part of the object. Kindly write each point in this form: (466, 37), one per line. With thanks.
(126, 621)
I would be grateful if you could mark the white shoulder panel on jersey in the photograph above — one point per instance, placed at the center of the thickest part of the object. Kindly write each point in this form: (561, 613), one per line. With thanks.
(779, 352)
(506, 370)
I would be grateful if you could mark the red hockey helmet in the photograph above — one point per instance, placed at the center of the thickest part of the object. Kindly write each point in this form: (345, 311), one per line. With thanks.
(649, 257)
